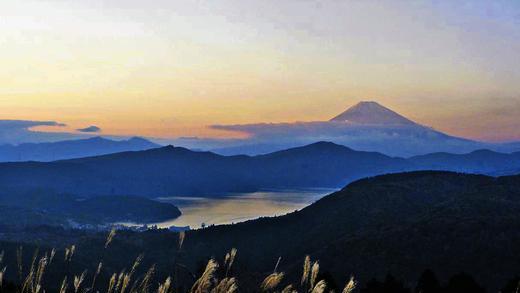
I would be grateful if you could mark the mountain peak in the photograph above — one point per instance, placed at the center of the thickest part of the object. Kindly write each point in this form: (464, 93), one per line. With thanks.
(138, 139)
(369, 112)
(94, 138)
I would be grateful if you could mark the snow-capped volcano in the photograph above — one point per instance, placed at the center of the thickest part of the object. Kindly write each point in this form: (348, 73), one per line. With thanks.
(366, 126)
(372, 113)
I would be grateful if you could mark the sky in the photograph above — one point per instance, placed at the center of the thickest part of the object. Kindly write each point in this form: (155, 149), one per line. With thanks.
(168, 68)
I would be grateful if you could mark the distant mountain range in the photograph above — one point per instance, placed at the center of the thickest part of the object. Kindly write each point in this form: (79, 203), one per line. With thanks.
(479, 161)
(172, 170)
(179, 171)
(366, 126)
(69, 149)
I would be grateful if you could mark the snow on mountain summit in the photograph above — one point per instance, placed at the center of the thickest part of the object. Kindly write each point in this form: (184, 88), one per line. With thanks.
(372, 113)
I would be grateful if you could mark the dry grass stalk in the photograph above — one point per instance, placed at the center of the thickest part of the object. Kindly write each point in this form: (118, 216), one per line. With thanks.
(165, 287)
(98, 271)
(78, 281)
(182, 236)
(350, 286)
(112, 283)
(40, 272)
(126, 280)
(100, 266)
(272, 281)
(28, 281)
(53, 253)
(230, 259)
(320, 287)
(203, 284)
(226, 285)
(306, 270)
(35, 256)
(64, 286)
(144, 286)
(277, 264)
(2, 273)
(136, 264)
(289, 289)
(314, 273)
(110, 237)
(119, 280)
(134, 287)
(72, 250)
(69, 252)
(29, 284)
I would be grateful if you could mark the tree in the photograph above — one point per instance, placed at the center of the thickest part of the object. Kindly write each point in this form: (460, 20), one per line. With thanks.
(513, 286)
(463, 283)
(390, 285)
(373, 286)
(428, 283)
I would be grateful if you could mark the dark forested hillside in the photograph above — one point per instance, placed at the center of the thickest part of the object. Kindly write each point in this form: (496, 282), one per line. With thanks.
(400, 224)
(42, 207)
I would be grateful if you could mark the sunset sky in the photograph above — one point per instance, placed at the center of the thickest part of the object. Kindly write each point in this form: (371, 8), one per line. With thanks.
(167, 68)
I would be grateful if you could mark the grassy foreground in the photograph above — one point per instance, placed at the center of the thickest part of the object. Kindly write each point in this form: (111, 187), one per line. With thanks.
(216, 278)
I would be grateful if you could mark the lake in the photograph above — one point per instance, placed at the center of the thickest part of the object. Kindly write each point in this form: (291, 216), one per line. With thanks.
(239, 207)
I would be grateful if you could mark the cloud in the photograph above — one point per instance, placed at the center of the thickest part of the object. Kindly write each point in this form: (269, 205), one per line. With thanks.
(26, 124)
(269, 131)
(22, 131)
(90, 129)
(16, 132)
(396, 140)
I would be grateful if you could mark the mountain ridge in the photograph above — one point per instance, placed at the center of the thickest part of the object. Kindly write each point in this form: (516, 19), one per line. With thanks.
(170, 170)
(68, 149)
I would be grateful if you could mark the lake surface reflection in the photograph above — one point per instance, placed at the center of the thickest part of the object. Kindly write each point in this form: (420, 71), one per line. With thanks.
(239, 207)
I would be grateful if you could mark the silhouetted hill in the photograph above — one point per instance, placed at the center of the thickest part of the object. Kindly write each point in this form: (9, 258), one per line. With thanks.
(480, 161)
(399, 223)
(323, 164)
(69, 149)
(110, 209)
(179, 171)
(41, 207)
